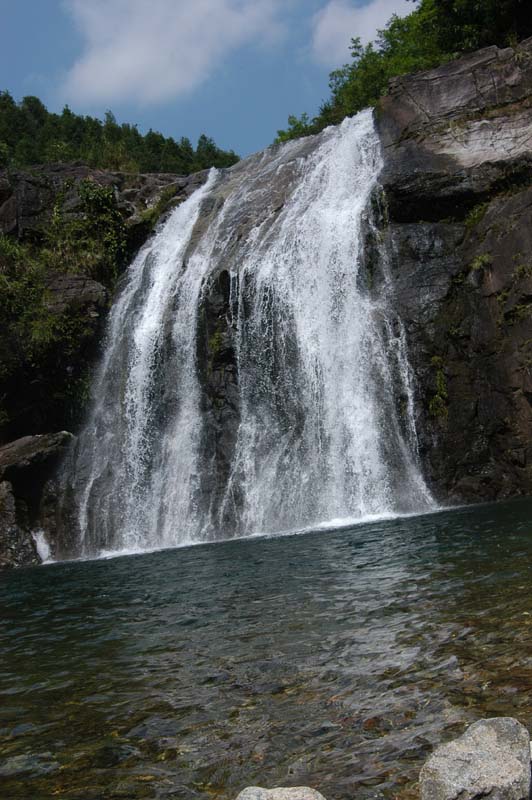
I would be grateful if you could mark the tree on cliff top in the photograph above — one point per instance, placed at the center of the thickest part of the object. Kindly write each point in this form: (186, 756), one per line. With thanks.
(435, 32)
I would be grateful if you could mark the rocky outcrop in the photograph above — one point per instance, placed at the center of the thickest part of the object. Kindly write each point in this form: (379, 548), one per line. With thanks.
(455, 134)
(219, 375)
(27, 198)
(491, 760)
(26, 467)
(38, 394)
(46, 209)
(458, 186)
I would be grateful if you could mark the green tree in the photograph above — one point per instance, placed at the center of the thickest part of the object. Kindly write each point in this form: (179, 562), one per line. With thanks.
(435, 31)
(470, 24)
(33, 135)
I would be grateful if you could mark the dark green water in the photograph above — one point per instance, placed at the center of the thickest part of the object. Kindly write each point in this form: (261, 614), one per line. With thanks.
(336, 659)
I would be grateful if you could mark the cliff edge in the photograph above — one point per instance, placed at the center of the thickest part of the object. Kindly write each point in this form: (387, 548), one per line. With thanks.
(457, 145)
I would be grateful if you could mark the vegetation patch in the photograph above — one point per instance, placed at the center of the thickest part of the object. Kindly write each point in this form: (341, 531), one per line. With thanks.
(522, 271)
(519, 312)
(438, 402)
(47, 340)
(480, 262)
(92, 240)
(152, 215)
(476, 215)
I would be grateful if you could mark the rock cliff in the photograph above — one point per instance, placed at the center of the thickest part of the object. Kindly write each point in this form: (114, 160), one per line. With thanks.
(457, 143)
(73, 246)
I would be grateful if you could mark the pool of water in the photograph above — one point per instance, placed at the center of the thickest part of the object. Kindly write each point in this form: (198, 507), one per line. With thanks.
(336, 659)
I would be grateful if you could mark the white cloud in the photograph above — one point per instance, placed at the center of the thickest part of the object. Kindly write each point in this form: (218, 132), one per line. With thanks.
(150, 51)
(339, 21)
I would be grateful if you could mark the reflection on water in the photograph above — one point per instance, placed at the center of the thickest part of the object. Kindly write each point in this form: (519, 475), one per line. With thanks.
(335, 659)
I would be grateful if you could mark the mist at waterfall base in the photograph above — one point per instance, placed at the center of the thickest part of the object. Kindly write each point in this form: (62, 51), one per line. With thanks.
(318, 422)
(333, 659)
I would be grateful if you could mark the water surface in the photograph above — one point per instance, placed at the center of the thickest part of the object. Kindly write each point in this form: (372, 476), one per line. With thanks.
(336, 659)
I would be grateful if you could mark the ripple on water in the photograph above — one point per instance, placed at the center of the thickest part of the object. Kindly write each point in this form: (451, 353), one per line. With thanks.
(337, 659)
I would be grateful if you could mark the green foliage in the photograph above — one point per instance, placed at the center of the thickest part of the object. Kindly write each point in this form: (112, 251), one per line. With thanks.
(153, 214)
(465, 25)
(26, 323)
(4, 155)
(438, 402)
(479, 262)
(215, 343)
(476, 215)
(404, 45)
(522, 271)
(519, 312)
(435, 32)
(30, 134)
(297, 127)
(93, 240)
(45, 347)
(21, 290)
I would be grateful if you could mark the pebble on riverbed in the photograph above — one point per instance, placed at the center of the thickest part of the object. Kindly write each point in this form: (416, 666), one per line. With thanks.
(289, 793)
(491, 760)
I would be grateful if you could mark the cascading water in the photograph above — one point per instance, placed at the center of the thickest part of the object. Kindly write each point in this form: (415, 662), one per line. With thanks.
(316, 418)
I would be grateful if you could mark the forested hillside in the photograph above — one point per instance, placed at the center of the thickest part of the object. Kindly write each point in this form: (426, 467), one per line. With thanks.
(30, 134)
(435, 32)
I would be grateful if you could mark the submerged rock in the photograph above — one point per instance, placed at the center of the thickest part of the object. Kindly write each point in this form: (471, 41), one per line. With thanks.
(491, 760)
(280, 793)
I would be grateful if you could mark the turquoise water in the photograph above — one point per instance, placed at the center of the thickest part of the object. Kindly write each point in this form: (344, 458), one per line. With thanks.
(336, 659)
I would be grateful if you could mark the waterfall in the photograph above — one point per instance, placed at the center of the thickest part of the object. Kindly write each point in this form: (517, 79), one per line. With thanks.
(252, 381)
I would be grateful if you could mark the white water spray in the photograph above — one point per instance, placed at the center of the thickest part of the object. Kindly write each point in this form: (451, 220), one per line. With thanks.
(325, 424)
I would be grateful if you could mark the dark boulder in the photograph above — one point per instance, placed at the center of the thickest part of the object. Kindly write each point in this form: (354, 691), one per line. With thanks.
(26, 467)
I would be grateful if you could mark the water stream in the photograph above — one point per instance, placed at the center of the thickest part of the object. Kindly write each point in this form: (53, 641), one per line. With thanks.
(320, 424)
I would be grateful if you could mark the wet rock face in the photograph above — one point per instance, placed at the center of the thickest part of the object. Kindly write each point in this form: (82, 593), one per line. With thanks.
(16, 544)
(491, 760)
(26, 469)
(459, 238)
(217, 362)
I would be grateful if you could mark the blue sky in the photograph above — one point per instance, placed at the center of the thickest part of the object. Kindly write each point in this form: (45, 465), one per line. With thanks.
(233, 69)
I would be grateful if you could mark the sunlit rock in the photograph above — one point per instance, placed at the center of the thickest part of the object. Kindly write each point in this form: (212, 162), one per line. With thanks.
(491, 760)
